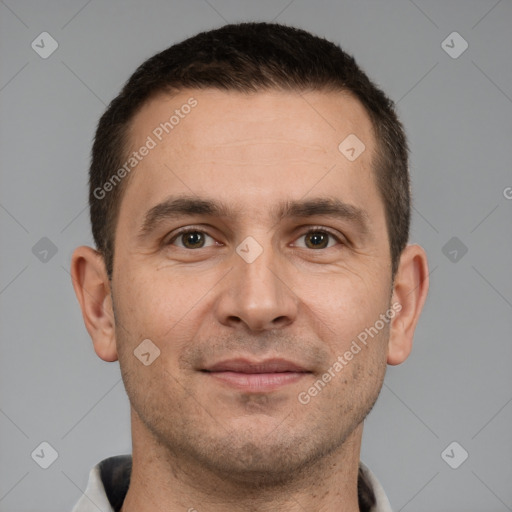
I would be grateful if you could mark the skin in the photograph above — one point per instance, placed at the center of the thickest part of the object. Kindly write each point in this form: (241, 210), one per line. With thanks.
(199, 443)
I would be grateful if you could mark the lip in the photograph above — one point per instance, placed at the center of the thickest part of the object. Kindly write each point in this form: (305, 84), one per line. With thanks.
(240, 365)
(256, 376)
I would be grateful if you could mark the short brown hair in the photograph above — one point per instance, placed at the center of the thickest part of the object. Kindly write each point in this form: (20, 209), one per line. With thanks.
(250, 57)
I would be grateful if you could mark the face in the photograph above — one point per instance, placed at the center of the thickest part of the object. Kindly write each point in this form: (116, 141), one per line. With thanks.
(283, 265)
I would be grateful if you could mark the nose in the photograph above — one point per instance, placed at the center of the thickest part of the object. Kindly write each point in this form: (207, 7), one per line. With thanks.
(258, 294)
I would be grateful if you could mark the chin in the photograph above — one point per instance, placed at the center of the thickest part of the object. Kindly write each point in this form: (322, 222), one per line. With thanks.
(260, 458)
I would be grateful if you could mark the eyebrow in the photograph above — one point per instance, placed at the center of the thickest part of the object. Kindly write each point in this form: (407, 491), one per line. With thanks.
(182, 206)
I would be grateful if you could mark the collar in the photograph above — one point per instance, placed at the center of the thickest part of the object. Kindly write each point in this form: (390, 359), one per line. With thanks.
(109, 481)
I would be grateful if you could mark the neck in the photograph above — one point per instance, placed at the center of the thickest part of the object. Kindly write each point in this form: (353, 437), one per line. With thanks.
(164, 482)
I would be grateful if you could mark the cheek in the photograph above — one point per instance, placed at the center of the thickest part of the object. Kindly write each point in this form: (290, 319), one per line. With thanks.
(159, 307)
(351, 305)
(150, 302)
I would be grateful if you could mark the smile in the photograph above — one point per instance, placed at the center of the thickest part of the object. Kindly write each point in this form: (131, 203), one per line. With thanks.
(254, 376)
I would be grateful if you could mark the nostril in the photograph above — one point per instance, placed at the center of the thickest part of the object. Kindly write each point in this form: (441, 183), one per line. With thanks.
(280, 320)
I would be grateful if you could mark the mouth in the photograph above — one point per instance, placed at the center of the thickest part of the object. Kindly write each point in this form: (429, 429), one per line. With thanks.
(256, 376)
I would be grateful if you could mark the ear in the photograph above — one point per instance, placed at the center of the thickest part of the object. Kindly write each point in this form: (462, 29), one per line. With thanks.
(410, 290)
(92, 288)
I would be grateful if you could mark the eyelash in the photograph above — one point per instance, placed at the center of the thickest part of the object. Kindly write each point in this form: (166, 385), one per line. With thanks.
(313, 229)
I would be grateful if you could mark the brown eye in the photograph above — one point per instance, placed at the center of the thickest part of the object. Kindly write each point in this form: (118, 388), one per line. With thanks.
(194, 238)
(190, 239)
(319, 239)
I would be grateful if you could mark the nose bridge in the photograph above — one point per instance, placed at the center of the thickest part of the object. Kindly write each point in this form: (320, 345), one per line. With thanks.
(257, 293)
(259, 266)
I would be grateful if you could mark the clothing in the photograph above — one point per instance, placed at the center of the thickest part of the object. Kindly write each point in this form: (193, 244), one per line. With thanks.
(109, 481)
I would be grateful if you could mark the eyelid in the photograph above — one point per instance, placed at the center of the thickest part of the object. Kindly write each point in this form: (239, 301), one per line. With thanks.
(305, 231)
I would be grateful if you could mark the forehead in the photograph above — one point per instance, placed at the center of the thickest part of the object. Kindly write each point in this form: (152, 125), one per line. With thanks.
(250, 146)
(215, 117)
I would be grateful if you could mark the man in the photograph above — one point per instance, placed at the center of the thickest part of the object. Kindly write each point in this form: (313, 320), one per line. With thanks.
(249, 199)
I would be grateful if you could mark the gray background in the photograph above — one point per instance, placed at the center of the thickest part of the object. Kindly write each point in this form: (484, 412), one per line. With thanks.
(456, 385)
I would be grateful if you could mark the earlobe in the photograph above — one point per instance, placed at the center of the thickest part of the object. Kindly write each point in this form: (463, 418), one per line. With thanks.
(92, 289)
(410, 291)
